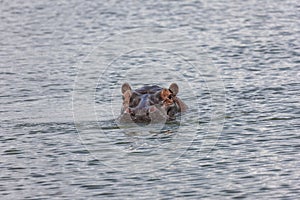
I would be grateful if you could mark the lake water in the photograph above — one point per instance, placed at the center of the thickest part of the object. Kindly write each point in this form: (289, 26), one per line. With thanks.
(237, 64)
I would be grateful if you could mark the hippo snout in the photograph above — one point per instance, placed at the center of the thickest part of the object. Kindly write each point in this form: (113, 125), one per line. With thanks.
(142, 112)
(139, 111)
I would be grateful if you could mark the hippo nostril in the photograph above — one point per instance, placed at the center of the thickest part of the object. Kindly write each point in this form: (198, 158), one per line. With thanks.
(131, 112)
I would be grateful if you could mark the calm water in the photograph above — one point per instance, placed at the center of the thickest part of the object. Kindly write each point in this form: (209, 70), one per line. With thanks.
(237, 64)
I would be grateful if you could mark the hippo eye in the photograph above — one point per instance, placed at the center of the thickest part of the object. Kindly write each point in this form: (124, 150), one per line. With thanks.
(134, 101)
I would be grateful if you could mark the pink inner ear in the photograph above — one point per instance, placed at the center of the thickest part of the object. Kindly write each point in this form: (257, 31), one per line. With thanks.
(127, 95)
(125, 87)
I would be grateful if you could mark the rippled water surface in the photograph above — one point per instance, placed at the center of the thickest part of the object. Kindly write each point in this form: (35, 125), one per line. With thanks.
(62, 65)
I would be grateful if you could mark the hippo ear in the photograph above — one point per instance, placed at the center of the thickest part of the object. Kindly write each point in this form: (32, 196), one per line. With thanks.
(125, 87)
(174, 88)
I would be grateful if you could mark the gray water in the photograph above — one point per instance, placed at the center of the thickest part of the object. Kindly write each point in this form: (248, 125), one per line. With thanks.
(62, 64)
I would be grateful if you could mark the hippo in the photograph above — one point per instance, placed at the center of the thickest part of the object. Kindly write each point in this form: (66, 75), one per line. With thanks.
(151, 103)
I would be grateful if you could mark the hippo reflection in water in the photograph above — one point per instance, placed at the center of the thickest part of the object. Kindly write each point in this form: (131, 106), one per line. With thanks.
(150, 104)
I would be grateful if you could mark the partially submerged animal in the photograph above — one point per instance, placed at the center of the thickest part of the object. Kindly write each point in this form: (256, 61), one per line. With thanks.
(150, 104)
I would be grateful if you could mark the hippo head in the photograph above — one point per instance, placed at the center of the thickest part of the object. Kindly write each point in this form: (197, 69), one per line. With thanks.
(150, 103)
